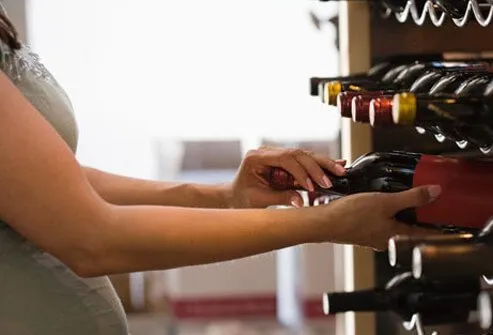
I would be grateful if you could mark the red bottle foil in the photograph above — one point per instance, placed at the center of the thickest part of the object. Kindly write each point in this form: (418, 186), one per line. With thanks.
(279, 179)
(360, 108)
(381, 111)
(467, 191)
(344, 102)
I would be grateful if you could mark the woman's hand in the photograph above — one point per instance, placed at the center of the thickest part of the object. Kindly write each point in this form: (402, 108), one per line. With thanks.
(367, 219)
(250, 190)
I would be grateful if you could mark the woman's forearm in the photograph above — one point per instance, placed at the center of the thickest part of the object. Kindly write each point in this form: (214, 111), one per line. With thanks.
(166, 237)
(120, 190)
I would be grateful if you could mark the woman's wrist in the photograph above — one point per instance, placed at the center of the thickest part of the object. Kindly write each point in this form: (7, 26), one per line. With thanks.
(224, 195)
(206, 196)
(303, 225)
(323, 223)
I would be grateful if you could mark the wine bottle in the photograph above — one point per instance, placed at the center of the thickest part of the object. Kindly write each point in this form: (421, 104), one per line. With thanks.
(429, 109)
(452, 261)
(377, 71)
(469, 258)
(467, 185)
(481, 134)
(399, 78)
(316, 83)
(450, 82)
(436, 302)
(398, 171)
(470, 114)
(400, 247)
(328, 90)
(360, 103)
(364, 175)
(380, 111)
(345, 101)
(332, 89)
(448, 85)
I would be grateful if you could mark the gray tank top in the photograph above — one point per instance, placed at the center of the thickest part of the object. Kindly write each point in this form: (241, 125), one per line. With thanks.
(39, 294)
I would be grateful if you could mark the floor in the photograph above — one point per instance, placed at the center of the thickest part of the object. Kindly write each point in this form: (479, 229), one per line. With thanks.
(158, 325)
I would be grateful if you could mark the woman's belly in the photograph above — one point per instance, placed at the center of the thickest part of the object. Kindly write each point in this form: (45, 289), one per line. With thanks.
(39, 295)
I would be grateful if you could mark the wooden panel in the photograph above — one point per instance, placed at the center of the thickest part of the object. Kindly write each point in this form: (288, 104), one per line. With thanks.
(391, 37)
(354, 265)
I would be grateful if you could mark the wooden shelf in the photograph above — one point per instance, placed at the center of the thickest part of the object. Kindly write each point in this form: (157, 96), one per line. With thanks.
(387, 37)
(364, 37)
(355, 266)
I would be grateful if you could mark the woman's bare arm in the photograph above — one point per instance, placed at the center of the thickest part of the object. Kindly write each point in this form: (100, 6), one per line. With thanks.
(46, 197)
(121, 190)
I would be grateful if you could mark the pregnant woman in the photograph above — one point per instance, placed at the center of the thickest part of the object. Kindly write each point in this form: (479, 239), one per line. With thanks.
(64, 227)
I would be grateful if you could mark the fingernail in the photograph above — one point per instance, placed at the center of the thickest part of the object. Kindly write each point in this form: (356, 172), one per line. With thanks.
(340, 169)
(310, 185)
(434, 191)
(326, 181)
(295, 202)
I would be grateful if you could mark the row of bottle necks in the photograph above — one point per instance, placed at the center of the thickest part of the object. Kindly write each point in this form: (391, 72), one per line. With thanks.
(452, 100)
(456, 9)
(441, 278)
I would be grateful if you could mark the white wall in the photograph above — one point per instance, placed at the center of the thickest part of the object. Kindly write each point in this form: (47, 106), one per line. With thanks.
(138, 70)
(141, 70)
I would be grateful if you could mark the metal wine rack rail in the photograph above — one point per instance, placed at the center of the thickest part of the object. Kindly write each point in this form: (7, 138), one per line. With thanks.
(481, 13)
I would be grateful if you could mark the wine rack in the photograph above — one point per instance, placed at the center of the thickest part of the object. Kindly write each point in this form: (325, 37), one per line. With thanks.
(479, 12)
(367, 36)
(389, 37)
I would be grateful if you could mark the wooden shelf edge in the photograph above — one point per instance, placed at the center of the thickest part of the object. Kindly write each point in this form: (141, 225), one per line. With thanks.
(354, 266)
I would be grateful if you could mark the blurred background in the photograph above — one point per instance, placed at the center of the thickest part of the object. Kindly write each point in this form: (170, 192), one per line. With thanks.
(180, 90)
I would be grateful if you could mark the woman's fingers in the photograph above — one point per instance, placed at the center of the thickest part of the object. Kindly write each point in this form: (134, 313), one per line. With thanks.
(305, 167)
(312, 167)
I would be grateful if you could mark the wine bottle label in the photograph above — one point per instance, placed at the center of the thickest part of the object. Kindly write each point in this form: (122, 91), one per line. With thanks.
(467, 191)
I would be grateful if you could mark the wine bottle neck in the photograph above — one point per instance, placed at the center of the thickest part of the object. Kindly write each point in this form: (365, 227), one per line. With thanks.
(454, 109)
(418, 109)
(358, 301)
(452, 261)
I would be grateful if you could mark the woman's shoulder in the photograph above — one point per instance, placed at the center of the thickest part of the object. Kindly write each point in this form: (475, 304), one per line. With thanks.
(26, 70)
(37, 84)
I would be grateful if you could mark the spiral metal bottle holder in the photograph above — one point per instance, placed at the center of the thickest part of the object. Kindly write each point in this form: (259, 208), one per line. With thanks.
(474, 11)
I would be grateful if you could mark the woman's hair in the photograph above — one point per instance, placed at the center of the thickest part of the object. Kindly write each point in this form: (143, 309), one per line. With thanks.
(8, 33)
